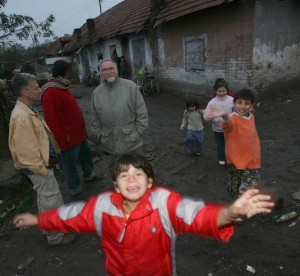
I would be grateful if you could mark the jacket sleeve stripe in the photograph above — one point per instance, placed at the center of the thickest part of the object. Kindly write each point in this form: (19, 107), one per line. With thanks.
(187, 210)
(70, 211)
(159, 200)
(104, 205)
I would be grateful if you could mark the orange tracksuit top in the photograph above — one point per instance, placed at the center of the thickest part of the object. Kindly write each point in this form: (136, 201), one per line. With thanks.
(242, 145)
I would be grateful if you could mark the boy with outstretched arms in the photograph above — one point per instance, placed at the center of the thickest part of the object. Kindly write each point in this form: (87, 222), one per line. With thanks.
(138, 222)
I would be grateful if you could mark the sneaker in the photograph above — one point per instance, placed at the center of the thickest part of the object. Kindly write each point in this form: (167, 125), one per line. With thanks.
(198, 153)
(67, 239)
(222, 163)
(296, 195)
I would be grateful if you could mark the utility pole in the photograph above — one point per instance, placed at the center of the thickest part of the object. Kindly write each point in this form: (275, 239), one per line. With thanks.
(100, 6)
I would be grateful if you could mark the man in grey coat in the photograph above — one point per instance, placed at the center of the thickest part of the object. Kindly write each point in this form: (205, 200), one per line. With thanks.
(118, 112)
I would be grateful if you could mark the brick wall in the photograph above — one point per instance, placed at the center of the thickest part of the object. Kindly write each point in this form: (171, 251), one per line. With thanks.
(229, 33)
(253, 44)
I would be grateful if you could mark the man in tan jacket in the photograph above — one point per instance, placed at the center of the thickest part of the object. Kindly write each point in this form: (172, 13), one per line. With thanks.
(33, 149)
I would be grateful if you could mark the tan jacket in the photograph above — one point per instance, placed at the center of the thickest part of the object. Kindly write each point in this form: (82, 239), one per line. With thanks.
(29, 140)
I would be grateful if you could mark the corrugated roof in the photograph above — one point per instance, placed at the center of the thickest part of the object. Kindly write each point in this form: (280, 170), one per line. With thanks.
(75, 44)
(65, 38)
(129, 16)
(132, 16)
(54, 49)
(173, 9)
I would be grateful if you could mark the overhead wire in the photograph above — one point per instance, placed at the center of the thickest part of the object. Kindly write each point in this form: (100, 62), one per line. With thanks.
(66, 20)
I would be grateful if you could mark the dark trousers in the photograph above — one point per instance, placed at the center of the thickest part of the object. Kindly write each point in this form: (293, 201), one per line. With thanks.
(70, 158)
(220, 141)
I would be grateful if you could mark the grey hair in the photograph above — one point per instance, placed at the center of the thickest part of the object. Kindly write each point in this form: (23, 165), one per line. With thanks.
(106, 60)
(21, 81)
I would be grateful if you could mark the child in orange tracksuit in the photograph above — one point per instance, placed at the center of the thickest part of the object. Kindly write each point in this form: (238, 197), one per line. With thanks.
(242, 143)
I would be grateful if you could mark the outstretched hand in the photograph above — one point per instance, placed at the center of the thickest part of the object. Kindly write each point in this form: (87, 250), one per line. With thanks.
(214, 112)
(251, 203)
(23, 221)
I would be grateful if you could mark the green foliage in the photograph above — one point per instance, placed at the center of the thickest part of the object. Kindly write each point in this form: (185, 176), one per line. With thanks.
(7, 103)
(22, 27)
(35, 51)
(18, 199)
(10, 58)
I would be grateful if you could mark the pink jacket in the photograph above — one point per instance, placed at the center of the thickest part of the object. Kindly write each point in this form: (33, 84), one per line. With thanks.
(143, 244)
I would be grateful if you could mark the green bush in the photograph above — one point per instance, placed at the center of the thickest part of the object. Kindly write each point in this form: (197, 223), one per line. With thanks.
(7, 103)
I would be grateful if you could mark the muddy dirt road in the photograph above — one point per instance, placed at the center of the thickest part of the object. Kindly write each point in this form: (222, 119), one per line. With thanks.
(258, 244)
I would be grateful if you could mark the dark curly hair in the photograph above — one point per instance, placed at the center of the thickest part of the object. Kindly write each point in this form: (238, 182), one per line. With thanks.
(244, 94)
(122, 162)
(220, 82)
(60, 68)
(192, 102)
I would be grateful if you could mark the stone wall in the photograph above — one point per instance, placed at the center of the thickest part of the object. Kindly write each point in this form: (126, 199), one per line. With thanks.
(276, 53)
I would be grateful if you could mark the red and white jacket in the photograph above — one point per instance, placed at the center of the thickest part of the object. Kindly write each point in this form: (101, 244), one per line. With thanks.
(143, 244)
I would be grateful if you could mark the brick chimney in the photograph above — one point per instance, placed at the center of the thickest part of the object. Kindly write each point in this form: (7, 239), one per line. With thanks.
(77, 34)
(91, 26)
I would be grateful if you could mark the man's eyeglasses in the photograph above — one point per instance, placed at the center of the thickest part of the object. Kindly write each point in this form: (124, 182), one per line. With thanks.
(105, 70)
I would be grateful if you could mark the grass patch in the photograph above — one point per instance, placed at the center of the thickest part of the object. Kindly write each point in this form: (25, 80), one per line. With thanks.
(18, 199)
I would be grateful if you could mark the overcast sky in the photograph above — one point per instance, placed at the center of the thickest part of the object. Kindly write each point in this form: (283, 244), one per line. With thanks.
(69, 14)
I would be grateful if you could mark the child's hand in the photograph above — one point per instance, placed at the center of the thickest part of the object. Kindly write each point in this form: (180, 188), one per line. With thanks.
(247, 205)
(182, 128)
(214, 112)
(250, 204)
(23, 221)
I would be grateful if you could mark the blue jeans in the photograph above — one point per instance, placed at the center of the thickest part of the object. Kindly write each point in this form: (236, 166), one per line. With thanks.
(194, 141)
(220, 145)
(70, 158)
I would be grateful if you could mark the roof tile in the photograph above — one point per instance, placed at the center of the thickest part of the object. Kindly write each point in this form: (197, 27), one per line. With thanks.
(173, 9)
(129, 16)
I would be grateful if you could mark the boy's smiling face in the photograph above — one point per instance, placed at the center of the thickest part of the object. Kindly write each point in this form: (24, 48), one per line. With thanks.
(242, 107)
(132, 184)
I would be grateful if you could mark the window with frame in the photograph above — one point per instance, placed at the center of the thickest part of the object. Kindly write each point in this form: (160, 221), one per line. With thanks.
(195, 59)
